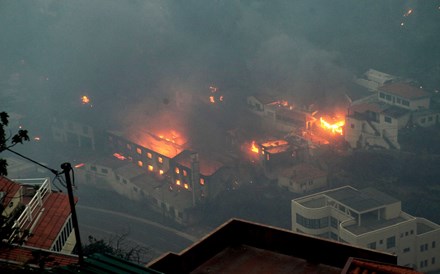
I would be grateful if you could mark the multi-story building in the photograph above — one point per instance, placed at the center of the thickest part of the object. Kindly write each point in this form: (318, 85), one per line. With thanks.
(372, 219)
(377, 119)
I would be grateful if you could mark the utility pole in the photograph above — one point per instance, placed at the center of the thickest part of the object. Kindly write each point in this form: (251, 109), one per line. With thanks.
(66, 170)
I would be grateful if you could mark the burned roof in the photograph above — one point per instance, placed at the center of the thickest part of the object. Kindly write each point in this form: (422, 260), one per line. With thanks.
(404, 90)
(303, 171)
(361, 200)
(208, 166)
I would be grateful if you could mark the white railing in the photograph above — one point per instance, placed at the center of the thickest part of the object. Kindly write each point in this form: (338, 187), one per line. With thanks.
(32, 208)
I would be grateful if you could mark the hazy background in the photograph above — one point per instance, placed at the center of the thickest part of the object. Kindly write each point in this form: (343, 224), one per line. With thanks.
(121, 52)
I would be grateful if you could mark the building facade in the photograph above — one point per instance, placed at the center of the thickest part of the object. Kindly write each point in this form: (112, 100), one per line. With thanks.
(371, 219)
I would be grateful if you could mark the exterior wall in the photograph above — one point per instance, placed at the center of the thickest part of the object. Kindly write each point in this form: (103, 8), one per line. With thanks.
(427, 120)
(415, 104)
(415, 241)
(13, 203)
(360, 133)
(302, 186)
(255, 105)
(427, 247)
(74, 133)
(65, 240)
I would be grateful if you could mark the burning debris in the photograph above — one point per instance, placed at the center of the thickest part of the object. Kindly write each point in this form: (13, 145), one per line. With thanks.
(330, 125)
(215, 96)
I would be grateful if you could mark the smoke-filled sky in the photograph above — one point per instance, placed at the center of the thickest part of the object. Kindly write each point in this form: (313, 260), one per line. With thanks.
(144, 51)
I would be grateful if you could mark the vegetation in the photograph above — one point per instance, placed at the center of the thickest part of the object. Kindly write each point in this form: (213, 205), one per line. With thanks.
(8, 141)
(119, 246)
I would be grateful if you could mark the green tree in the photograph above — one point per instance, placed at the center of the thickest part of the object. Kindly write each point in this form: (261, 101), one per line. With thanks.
(8, 141)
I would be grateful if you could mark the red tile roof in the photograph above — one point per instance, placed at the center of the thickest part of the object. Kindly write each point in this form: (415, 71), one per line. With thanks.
(9, 188)
(404, 90)
(19, 255)
(56, 211)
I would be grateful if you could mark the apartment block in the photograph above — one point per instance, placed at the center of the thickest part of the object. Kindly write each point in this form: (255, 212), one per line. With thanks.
(371, 219)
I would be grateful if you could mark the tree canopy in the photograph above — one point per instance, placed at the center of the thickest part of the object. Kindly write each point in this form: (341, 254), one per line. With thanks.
(9, 140)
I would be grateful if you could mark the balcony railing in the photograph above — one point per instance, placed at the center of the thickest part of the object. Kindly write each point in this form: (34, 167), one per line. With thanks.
(32, 210)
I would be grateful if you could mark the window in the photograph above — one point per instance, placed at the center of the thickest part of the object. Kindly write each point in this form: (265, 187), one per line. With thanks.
(150, 168)
(160, 171)
(334, 222)
(140, 163)
(202, 181)
(160, 159)
(381, 95)
(391, 242)
(371, 245)
(104, 170)
(129, 146)
(352, 125)
(186, 186)
(139, 151)
(406, 250)
(312, 223)
(430, 119)
(388, 119)
(381, 242)
(185, 173)
(405, 103)
(399, 101)
(433, 244)
(433, 260)
(177, 170)
(149, 156)
(178, 182)
(388, 97)
(93, 168)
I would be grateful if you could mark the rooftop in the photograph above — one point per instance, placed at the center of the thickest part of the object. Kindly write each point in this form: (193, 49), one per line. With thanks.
(303, 171)
(20, 255)
(360, 200)
(404, 90)
(9, 189)
(208, 166)
(55, 213)
(244, 247)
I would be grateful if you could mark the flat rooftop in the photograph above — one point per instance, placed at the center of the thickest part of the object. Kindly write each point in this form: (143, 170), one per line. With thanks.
(368, 225)
(361, 200)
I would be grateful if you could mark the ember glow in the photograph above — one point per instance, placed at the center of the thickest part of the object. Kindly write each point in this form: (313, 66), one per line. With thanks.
(408, 13)
(254, 148)
(37, 138)
(79, 165)
(119, 156)
(334, 128)
(85, 100)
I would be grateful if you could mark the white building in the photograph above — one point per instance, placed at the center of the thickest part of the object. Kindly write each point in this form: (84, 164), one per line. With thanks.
(369, 218)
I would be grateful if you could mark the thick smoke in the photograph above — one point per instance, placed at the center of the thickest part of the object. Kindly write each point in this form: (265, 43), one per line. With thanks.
(132, 57)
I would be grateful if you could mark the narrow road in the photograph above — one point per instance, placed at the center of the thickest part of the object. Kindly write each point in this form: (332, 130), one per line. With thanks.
(103, 223)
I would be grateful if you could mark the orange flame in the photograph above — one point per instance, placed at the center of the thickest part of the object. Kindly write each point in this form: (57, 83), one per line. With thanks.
(254, 148)
(335, 128)
(119, 156)
(211, 99)
(85, 100)
(408, 13)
